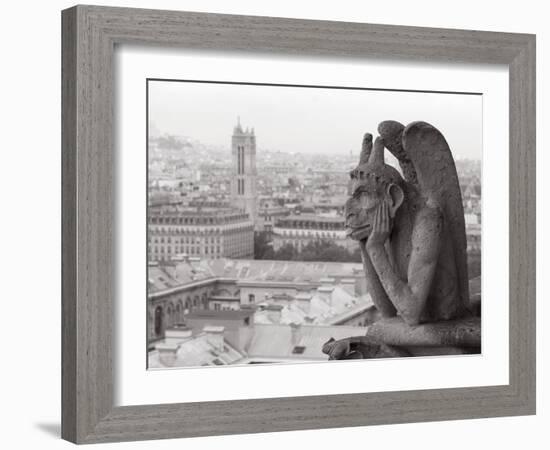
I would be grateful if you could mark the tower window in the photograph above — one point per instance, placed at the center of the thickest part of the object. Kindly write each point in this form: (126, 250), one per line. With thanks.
(238, 160)
(242, 160)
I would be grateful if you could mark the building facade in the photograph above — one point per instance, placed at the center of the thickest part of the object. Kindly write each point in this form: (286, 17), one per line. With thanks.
(199, 232)
(168, 308)
(269, 213)
(300, 230)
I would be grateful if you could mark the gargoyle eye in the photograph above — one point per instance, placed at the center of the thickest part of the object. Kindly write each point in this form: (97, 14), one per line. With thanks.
(357, 193)
(353, 175)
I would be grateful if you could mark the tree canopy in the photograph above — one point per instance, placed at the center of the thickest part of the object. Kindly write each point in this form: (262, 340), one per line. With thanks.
(316, 250)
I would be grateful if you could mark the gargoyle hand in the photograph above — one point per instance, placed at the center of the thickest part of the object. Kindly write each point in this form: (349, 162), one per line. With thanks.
(381, 227)
(337, 349)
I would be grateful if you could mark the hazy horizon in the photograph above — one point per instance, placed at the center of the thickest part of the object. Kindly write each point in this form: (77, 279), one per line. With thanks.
(308, 120)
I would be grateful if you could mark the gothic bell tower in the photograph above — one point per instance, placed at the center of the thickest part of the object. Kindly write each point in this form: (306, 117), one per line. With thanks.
(243, 183)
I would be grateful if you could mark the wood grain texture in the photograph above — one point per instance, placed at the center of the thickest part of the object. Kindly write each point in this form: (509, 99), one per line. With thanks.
(89, 36)
(68, 226)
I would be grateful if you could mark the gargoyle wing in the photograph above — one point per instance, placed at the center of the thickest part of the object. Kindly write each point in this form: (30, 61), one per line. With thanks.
(427, 162)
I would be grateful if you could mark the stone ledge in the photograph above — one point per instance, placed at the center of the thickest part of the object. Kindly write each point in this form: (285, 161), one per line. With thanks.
(453, 333)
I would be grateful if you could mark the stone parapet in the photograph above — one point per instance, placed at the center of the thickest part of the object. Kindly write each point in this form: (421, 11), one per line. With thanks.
(453, 333)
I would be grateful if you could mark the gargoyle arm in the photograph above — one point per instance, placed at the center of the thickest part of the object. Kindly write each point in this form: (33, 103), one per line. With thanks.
(409, 296)
(374, 287)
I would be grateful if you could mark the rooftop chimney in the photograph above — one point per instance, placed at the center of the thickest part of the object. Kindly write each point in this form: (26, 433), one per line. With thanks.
(167, 353)
(214, 335)
(325, 292)
(274, 312)
(304, 300)
(350, 285)
(178, 333)
(327, 281)
(295, 333)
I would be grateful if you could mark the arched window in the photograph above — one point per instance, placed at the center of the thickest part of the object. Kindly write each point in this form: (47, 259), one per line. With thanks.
(158, 321)
(169, 316)
(179, 311)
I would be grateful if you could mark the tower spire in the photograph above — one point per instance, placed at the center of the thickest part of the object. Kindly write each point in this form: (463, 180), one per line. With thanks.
(238, 127)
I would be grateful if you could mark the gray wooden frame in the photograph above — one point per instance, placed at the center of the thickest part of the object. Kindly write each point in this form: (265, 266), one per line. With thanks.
(89, 36)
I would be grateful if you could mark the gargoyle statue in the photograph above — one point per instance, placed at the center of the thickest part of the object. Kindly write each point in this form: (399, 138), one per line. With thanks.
(412, 237)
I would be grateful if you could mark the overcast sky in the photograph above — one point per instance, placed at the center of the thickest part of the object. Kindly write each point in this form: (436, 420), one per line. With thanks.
(309, 120)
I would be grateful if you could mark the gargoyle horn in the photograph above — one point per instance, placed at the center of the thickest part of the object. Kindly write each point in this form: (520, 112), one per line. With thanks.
(377, 154)
(366, 149)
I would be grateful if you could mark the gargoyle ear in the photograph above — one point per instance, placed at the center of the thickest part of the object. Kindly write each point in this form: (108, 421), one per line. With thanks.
(395, 198)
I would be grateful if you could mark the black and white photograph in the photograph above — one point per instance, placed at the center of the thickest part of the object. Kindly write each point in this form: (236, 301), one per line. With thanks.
(292, 223)
(275, 225)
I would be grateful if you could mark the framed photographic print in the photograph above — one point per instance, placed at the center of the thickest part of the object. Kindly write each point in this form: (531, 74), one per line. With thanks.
(278, 224)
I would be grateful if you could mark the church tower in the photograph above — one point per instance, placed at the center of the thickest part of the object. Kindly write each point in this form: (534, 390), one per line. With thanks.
(243, 183)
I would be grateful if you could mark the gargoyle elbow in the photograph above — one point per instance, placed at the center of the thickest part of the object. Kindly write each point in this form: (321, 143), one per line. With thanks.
(411, 320)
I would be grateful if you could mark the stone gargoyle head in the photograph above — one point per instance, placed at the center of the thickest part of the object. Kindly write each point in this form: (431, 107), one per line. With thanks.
(372, 182)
